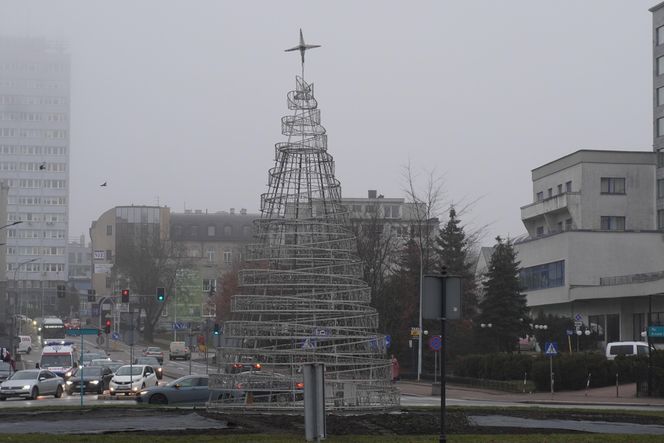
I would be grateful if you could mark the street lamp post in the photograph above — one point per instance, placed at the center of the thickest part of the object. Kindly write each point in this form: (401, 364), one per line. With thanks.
(542, 328)
(419, 338)
(13, 329)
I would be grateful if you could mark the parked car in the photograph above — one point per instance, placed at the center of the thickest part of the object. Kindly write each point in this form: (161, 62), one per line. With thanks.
(151, 361)
(190, 389)
(131, 379)
(154, 351)
(243, 364)
(616, 348)
(24, 344)
(178, 349)
(5, 371)
(95, 379)
(108, 363)
(31, 383)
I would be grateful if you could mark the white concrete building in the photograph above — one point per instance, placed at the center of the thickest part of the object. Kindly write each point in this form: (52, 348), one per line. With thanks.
(34, 163)
(593, 252)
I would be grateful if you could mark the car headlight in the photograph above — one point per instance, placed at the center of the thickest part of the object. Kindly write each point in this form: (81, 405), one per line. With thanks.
(68, 374)
(26, 387)
(134, 388)
(94, 382)
(69, 382)
(112, 388)
(144, 392)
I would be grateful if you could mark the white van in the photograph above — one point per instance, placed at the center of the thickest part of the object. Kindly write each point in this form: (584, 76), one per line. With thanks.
(24, 345)
(179, 349)
(628, 348)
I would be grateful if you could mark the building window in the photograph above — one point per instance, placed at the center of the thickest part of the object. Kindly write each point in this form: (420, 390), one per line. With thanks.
(194, 231)
(109, 254)
(109, 229)
(660, 65)
(211, 231)
(596, 324)
(660, 35)
(560, 189)
(660, 159)
(550, 192)
(228, 256)
(660, 127)
(560, 226)
(613, 185)
(211, 254)
(612, 223)
(549, 275)
(568, 186)
(209, 284)
(660, 96)
(660, 188)
(660, 219)
(540, 196)
(228, 231)
(540, 230)
(568, 224)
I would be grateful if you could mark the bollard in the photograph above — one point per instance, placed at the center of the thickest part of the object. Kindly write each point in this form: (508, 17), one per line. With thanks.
(617, 384)
(525, 378)
(588, 383)
(314, 402)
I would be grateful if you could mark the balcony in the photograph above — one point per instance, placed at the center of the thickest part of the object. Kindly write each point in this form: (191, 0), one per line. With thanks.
(552, 204)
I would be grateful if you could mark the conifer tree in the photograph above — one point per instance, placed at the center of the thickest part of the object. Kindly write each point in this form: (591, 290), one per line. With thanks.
(503, 306)
(453, 252)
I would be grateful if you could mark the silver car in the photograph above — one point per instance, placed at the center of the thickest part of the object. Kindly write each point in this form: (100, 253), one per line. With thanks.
(32, 383)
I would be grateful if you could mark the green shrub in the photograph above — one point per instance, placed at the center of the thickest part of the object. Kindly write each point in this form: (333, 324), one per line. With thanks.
(497, 366)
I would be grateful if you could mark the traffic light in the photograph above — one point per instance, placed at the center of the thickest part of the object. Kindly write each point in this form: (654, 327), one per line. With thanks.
(125, 296)
(161, 294)
(216, 329)
(62, 291)
(107, 328)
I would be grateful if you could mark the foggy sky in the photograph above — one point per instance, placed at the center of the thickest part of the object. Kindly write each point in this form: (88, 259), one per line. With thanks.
(179, 103)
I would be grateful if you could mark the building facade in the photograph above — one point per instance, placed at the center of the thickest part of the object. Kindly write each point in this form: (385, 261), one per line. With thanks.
(34, 147)
(80, 264)
(593, 252)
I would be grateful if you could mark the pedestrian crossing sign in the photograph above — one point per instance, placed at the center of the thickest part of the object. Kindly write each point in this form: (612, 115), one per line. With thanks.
(551, 348)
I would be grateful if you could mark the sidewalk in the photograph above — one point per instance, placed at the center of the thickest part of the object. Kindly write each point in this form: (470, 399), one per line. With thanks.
(595, 396)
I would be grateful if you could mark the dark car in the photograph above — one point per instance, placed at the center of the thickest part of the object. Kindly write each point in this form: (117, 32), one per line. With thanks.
(190, 389)
(87, 357)
(151, 361)
(95, 379)
(243, 364)
(155, 352)
(5, 371)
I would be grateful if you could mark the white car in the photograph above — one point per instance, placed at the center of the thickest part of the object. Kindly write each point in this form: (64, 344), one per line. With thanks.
(31, 383)
(131, 379)
(628, 348)
(24, 345)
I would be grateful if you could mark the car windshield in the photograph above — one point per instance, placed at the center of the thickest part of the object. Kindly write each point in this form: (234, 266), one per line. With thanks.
(154, 350)
(88, 371)
(60, 361)
(147, 361)
(182, 381)
(24, 375)
(130, 370)
(90, 357)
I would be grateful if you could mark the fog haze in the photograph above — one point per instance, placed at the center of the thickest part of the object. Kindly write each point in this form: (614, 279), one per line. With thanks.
(179, 103)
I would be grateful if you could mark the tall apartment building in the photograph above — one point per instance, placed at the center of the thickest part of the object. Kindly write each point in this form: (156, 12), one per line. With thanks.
(658, 104)
(34, 163)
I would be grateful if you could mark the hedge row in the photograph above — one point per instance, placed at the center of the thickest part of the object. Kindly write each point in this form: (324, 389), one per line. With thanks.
(571, 371)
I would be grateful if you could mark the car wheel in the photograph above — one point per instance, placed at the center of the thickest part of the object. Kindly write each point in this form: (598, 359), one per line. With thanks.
(3, 398)
(34, 394)
(29, 350)
(100, 390)
(158, 399)
(58, 392)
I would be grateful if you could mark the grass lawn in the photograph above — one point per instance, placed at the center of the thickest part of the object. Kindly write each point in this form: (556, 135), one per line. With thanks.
(259, 438)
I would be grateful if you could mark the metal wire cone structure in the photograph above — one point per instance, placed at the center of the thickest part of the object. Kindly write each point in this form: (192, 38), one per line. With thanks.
(301, 297)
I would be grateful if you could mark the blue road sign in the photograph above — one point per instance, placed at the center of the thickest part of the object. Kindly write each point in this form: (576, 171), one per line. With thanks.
(578, 317)
(551, 348)
(179, 325)
(569, 332)
(655, 331)
(115, 336)
(435, 343)
(388, 341)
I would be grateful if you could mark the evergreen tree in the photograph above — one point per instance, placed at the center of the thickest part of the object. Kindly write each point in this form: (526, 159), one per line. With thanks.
(453, 252)
(503, 305)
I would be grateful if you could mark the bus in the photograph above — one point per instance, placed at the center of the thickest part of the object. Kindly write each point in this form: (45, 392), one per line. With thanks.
(52, 328)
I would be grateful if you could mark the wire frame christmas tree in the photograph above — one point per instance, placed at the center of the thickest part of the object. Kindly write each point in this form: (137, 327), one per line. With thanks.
(301, 297)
